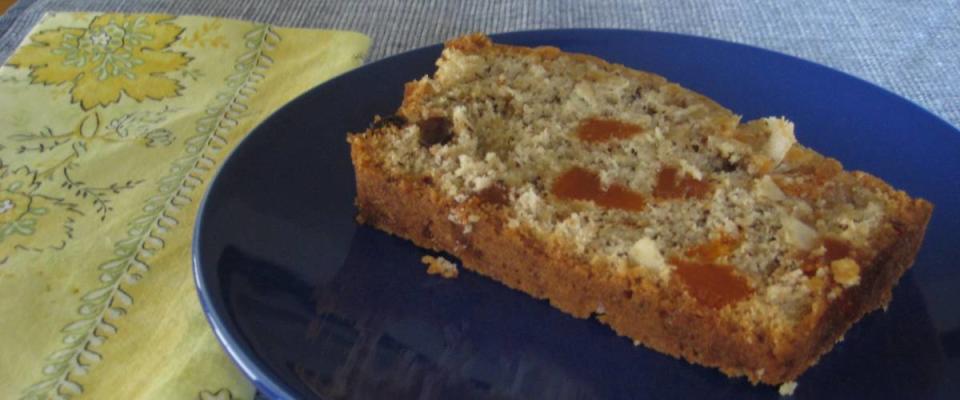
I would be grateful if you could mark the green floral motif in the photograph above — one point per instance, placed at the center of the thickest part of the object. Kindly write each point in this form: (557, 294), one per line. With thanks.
(108, 47)
(10, 79)
(24, 211)
(222, 394)
(115, 54)
(102, 306)
(66, 149)
(142, 127)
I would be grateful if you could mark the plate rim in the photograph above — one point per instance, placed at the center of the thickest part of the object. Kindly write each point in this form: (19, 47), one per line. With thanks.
(263, 379)
(239, 351)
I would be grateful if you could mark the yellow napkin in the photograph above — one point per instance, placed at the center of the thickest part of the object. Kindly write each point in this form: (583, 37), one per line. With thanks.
(111, 126)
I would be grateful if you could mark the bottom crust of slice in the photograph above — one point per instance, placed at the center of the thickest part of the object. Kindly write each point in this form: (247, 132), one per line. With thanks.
(661, 317)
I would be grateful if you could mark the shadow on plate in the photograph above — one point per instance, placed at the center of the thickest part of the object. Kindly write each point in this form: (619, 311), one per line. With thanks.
(382, 328)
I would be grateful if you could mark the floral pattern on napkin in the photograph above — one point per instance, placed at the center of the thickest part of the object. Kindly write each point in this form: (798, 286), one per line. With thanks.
(111, 126)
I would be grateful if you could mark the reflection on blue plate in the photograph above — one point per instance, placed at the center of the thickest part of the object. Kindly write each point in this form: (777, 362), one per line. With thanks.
(311, 305)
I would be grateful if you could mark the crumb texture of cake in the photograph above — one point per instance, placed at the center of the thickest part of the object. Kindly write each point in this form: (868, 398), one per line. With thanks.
(440, 266)
(615, 182)
(787, 389)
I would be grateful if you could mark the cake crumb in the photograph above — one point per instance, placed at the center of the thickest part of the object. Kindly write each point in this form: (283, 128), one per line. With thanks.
(440, 266)
(787, 389)
(833, 294)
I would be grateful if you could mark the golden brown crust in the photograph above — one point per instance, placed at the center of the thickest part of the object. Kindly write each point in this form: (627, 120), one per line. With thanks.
(663, 318)
(415, 93)
(897, 245)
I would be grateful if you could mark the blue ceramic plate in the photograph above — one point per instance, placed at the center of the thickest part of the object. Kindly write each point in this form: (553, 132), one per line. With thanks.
(311, 305)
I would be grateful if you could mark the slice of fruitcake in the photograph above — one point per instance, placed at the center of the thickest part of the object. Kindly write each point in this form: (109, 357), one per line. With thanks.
(615, 193)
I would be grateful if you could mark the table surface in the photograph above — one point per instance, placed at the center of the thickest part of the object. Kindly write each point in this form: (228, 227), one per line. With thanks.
(910, 48)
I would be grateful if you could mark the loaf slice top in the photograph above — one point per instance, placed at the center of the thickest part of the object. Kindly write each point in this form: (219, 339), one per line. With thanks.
(623, 169)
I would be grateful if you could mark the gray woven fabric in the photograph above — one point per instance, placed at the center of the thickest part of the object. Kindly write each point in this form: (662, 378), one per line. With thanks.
(909, 47)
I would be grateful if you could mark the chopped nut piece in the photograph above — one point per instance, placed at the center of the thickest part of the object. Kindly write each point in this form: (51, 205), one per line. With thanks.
(768, 189)
(846, 272)
(645, 253)
(781, 139)
(798, 234)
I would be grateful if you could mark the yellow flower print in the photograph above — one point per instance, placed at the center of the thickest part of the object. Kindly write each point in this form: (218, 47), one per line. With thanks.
(115, 54)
